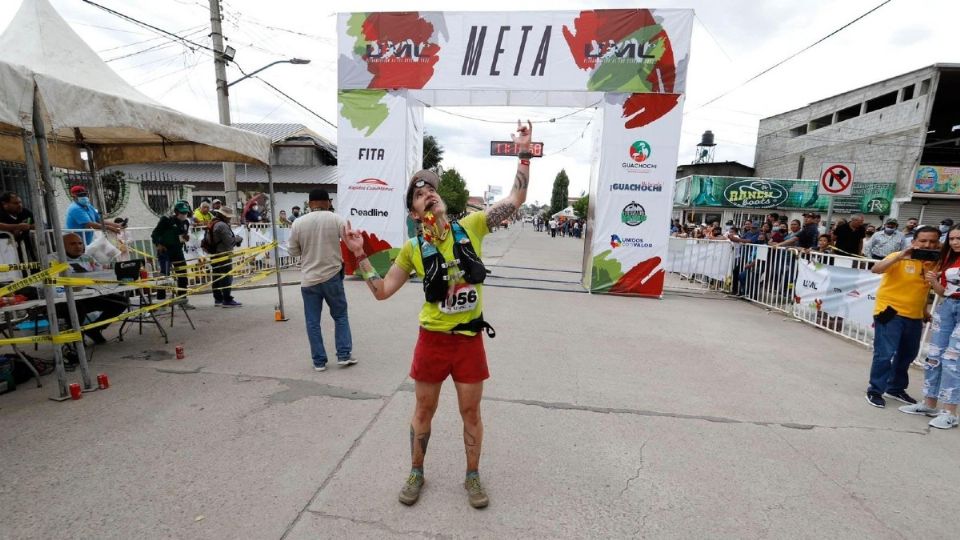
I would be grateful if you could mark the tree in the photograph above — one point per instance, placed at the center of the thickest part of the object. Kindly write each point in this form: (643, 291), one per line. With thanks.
(432, 152)
(558, 201)
(453, 191)
(580, 207)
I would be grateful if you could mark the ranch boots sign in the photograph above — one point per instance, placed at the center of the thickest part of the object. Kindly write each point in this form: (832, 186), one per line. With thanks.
(755, 194)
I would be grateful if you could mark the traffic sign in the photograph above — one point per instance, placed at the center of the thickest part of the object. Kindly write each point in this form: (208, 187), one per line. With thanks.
(836, 179)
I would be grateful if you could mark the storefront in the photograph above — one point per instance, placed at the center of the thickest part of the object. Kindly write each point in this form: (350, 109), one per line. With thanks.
(936, 195)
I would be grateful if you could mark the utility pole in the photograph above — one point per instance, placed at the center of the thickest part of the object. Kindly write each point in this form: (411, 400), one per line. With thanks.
(223, 99)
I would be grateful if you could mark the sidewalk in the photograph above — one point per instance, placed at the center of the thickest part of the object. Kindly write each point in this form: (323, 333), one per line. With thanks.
(605, 417)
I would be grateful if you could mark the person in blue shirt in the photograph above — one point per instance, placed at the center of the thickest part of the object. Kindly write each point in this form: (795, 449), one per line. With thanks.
(82, 215)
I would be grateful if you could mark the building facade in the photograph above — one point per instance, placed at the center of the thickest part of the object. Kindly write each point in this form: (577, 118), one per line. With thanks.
(903, 130)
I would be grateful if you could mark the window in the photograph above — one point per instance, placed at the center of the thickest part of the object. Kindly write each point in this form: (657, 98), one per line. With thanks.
(821, 122)
(798, 131)
(852, 111)
(907, 93)
(881, 102)
(925, 87)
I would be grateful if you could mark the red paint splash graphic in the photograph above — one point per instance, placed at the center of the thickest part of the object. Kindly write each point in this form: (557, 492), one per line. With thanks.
(642, 109)
(405, 40)
(371, 245)
(632, 283)
(605, 25)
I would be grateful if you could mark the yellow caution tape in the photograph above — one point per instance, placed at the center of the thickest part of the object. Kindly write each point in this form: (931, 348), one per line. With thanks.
(19, 266)
(36, 278)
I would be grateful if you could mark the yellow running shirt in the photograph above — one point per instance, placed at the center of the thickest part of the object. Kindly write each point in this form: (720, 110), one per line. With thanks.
(438, 316)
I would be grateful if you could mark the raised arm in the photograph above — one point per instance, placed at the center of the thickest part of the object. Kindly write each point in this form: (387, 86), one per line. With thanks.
(382, 288)
(506, 207)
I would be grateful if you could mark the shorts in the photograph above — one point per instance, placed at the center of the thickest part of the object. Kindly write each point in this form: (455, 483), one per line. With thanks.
(439, 354)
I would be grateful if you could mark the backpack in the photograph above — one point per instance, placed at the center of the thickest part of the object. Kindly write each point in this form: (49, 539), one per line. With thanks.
(206, 243)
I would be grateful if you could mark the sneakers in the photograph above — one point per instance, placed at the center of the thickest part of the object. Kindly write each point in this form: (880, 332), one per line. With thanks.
(475, 492)
(348, 361)
(919, 409)
(217, 303)
(944, 420)
(411, 489)
(902, 397)
(230, 303)
(876, 400)
(320, 368)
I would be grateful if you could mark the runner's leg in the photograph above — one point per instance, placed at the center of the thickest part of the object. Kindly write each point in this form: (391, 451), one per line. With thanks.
(468, 397)
(428, 394)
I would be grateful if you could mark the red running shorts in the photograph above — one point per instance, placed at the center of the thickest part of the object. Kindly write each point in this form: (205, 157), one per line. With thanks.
(439, 354)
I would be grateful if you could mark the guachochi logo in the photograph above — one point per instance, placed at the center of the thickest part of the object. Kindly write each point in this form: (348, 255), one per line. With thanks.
(633, 214)
(615, 241)
(640, 151)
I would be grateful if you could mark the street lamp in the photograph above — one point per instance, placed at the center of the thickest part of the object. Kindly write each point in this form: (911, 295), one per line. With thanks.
(252, 73)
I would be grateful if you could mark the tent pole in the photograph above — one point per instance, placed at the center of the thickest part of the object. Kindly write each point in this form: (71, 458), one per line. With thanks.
(276, 248)
(95, 184)
(41, 135)
(48, 293)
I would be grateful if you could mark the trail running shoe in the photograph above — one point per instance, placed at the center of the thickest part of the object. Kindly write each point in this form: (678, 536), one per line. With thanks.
(944, 420)
(476, 494)
(411, 489)
(919, 409)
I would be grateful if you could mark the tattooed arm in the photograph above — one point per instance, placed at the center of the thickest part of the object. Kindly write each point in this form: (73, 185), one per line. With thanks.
(382, 288)
(506, 207)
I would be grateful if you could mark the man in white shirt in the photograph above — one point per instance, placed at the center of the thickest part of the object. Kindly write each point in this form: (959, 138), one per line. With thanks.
(315, 237)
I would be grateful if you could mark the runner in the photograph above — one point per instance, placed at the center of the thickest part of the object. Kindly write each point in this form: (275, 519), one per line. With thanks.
(447, 256)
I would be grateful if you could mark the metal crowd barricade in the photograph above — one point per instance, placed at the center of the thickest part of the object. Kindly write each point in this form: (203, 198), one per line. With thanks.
(707, 263)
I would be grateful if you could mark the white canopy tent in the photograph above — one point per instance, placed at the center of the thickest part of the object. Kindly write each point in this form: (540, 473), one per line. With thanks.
(567, 213)
(58, 98)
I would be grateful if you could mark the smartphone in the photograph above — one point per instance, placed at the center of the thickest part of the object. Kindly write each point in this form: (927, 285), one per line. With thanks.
(925, 254)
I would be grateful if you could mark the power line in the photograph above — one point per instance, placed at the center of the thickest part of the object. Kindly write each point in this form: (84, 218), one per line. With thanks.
(792, 56)
(161, 45)
(152, 27)
(478, 119)
(284, 94)
(709, 33)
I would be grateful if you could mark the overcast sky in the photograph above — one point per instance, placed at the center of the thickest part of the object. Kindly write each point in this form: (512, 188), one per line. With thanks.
(732, 41)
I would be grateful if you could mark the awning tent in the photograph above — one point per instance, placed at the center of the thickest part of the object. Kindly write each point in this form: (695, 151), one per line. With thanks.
(58, 98)
(566, 213)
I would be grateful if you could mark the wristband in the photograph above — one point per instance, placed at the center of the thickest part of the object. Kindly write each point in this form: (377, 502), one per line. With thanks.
(360, 257)
(525, 155)
(369, 275)
(525, 162)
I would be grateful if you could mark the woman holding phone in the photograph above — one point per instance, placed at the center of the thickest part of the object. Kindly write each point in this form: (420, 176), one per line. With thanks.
(941, 379)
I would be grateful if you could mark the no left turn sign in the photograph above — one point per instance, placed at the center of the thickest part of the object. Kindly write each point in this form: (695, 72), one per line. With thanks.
(836, 179)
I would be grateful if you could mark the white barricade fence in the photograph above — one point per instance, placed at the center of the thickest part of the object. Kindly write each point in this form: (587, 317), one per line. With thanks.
(9, 255)
(833, 292)
(703, 261)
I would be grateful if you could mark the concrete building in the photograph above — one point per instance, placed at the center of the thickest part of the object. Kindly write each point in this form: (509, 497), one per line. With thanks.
(904, 130)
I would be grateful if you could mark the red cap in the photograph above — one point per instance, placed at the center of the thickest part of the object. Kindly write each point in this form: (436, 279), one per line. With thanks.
(76, 190)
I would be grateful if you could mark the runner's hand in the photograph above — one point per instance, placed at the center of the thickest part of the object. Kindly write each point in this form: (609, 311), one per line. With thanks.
(352, 238)
(523, 136)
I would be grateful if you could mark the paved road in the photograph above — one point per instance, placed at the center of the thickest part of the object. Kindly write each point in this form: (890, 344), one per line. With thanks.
(606, 417)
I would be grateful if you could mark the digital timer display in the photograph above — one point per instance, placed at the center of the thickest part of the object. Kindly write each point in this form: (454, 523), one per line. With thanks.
(507, 148)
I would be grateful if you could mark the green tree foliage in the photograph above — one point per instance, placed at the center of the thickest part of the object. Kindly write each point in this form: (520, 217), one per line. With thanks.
(558, 201)
(580, 207)
(453, 191)
(432, 152)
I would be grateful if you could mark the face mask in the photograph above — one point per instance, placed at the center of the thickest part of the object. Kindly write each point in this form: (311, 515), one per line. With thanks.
(295, 214)
(889, 230)
(255, 208)
(83, 201)
(944, 228)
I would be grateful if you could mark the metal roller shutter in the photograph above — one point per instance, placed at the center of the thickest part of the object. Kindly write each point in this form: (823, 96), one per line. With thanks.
(932, 212)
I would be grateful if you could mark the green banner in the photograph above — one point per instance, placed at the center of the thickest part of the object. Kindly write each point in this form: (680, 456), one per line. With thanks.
(934, 179)
(771, 193)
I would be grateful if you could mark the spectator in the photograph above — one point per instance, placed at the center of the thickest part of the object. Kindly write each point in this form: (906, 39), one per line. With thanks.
(18, 221)
(202, 216)
(253, 214)
(823, 244)
(944, 229)
(793, 230)
(553, 228)
(82, 215)
(766, 231)
(316, 239)
(698, 233)
(849, 236)
(748, 235)
(805, 238)
(941, 377)
(109, 305)
(899, 313)
(294, 214)
(910, 227)
(168, 237)
(870, 229)
(886, 242)
(121, 239)
(220, 241)
(727, 226)
(216, 204)
(780, 233)
(282, 220)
